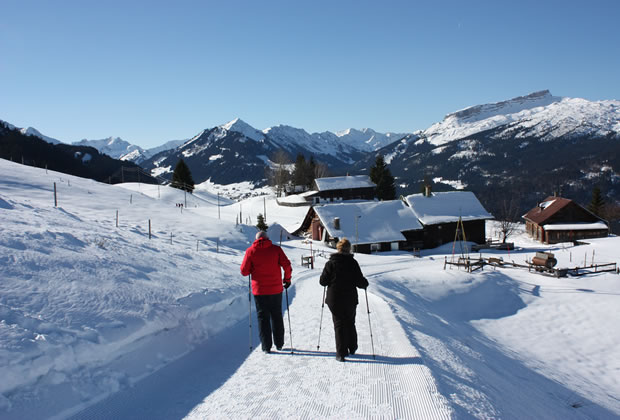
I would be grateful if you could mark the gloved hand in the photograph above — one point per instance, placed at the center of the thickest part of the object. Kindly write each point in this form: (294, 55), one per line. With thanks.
(286, 284)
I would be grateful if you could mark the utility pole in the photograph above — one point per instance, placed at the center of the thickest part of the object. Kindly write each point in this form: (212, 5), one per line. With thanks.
(357, 217)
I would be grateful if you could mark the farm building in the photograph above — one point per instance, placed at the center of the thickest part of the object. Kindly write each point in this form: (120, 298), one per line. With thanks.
(439, 213)
(369, 225)
(558, 219)
(338, 188)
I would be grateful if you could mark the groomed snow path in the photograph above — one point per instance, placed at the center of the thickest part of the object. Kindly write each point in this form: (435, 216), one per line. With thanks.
(221, 380)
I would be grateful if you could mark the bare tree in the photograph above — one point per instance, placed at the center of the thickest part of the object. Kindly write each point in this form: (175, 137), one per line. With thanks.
(280, 175)
(320, 170)
(508, 218)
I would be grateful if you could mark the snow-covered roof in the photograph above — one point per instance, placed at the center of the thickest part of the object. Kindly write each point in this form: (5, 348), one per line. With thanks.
(446, 207)
(577, 226)
(344, 182)
(368, 222)
(293, 199)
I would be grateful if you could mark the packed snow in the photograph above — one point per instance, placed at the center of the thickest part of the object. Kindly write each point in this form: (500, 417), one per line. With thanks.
(119, 303)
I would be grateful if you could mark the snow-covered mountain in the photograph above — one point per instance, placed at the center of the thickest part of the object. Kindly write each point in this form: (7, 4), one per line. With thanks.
(112, 146)
(526, 147)
(368, 139)
(236, 151)
(539, 114)
(30, 131)
(139, 155)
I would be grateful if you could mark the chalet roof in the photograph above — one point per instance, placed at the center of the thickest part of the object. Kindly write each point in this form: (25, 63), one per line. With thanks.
(379, 221)
(547, 208)
(446, 207)
(344, 182)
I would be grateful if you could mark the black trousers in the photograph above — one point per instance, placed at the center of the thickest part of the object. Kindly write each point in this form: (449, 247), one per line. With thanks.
(344, 329)
(269, 314)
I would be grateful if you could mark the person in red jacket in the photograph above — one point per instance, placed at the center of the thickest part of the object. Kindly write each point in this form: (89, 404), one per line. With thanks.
(265, 261)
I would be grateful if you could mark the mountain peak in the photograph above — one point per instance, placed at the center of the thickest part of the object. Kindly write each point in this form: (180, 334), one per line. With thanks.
(31, 131)
(244, 128)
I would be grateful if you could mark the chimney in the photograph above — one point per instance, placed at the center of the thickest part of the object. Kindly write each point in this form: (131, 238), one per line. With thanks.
(337, 223)
(427, 190)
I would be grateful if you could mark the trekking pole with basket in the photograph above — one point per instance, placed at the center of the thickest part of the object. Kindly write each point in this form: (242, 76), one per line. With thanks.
(321, 322)
(369, 326)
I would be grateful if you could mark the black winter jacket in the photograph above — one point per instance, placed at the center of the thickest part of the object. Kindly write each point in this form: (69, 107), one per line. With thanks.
(342, 274)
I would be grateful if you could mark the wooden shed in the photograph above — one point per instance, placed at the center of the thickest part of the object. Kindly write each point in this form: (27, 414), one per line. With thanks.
(558, 219)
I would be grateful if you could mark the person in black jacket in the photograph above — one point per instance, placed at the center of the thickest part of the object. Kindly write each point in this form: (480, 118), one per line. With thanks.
(341, 275)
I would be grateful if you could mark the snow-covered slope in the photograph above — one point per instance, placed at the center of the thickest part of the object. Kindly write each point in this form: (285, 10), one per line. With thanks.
(536, 115)
(160, 323)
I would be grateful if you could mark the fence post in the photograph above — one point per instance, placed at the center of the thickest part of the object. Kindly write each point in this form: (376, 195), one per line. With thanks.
(149, 228)
(116, 218)
(170, 238)
(217, 245)
(55, 197)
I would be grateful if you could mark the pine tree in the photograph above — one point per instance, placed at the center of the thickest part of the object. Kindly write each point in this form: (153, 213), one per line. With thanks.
(261, 225)
(182, 177)
(380, 174)
(597, 205)
(300, 171)
(310, 171)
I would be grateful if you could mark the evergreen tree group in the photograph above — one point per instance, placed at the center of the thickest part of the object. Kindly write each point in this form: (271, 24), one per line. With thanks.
(303, 173)
(182, 177)
(380, 174)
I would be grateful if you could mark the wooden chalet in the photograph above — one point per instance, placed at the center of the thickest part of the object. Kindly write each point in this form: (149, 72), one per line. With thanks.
(338, 188)
(558, 219)
(371, 226)
(439, 214)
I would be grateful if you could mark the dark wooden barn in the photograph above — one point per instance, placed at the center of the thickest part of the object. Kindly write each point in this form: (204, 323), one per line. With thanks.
(338, 188)
(558, 219)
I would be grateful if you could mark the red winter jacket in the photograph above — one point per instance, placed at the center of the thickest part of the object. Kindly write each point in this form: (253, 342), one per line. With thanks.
(263, 261)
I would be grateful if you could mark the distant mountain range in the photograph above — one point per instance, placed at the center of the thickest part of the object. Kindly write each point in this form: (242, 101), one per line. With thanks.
(236, 151)
(526, 147)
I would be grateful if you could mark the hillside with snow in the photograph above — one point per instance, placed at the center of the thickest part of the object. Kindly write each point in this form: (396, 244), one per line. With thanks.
(118, 303)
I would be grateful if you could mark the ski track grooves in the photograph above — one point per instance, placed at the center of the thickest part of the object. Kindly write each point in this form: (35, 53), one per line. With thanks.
(222, 381)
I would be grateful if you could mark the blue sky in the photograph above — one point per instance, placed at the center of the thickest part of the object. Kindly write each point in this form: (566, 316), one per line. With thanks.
(152, 71)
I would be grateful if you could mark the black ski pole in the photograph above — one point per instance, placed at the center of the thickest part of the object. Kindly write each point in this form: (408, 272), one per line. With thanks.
(288, 312)
(250, 307)
(369, 326)
(321, 322)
